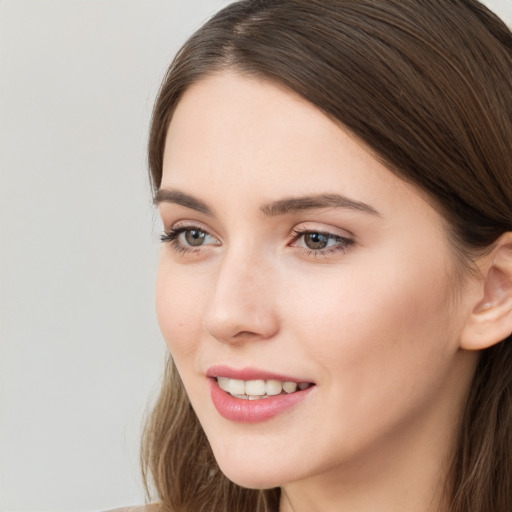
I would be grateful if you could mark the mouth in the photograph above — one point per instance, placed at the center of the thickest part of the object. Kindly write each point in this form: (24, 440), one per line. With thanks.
(252, 395)
(260, 389)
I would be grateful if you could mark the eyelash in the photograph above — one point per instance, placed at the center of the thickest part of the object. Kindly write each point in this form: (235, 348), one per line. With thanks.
(342, 245)
(172, 237)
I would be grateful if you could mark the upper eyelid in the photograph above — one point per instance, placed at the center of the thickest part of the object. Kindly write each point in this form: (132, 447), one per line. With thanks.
(299, 229)
(189, 224)
(340, 238)
(323, 229)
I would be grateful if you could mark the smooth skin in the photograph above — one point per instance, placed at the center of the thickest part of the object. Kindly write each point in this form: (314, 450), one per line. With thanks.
(360, 297)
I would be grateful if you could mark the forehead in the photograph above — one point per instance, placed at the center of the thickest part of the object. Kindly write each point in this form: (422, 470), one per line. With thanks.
(231, 128)
(247, 141)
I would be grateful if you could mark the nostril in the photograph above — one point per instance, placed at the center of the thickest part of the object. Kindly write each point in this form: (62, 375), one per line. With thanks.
(246, 334)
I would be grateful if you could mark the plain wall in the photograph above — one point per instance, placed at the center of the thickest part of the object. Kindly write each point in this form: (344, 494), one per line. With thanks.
(80, 350)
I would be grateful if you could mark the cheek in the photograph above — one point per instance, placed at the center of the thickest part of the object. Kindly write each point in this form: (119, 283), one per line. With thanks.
(180, 303)
(376, 334)
(178, 307)
(381, 345)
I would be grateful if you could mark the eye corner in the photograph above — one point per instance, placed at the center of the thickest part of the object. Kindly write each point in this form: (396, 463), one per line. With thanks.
(189, 238)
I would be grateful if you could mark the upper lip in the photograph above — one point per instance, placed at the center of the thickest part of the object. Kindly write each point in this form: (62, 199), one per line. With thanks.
(249, 373)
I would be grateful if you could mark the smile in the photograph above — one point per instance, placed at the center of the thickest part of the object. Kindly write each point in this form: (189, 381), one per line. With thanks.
(253, 395)
(259, 389)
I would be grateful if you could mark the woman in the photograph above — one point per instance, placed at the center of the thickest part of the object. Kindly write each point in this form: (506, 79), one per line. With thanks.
(335, 287)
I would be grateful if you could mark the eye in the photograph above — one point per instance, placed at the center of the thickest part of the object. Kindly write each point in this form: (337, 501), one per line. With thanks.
(315, 241)
(187, 238)
(319, 243)
(194, 237)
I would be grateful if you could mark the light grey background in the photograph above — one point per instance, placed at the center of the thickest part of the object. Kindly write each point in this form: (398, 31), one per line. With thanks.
(80, 351)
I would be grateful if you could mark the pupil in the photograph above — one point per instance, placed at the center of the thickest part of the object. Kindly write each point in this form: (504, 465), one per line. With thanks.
(194, 237)
(315, 240)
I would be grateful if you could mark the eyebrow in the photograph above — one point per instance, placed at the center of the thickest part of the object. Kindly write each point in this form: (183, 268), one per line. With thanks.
(310, 202)
(275, 208)
(177, 197)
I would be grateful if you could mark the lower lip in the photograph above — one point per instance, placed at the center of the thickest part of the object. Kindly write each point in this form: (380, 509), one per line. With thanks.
(253, 411)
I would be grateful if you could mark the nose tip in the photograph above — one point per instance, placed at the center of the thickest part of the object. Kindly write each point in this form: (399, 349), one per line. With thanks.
(236, 326)
(241, 308)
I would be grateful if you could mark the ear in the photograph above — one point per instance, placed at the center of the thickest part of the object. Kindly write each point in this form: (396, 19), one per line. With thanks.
(491, 319)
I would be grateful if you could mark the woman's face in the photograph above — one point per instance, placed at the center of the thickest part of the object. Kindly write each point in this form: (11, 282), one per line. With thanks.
(293, 255)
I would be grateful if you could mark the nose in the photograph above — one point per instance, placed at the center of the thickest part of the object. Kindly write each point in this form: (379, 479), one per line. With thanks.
(243, 304)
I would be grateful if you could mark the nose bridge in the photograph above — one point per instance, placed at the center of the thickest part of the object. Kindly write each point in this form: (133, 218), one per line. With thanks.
(242, 303)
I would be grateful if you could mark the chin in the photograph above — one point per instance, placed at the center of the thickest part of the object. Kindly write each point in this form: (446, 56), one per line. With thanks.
(252, 479)
(246, 472)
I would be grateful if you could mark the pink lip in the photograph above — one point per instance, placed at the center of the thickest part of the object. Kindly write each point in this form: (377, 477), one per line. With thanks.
(252, 411)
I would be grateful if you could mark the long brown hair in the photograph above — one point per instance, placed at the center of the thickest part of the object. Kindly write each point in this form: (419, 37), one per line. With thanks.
(427, 86)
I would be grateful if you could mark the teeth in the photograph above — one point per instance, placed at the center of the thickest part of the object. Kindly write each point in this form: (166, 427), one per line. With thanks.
(223, 383)
(236, 387)
(257, 389)
(290, 387)
(273, 387)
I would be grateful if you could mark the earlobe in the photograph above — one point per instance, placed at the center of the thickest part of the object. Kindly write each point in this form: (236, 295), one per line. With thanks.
(491, 319)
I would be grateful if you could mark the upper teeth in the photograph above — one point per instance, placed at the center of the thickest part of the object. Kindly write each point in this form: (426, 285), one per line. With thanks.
(258, 388)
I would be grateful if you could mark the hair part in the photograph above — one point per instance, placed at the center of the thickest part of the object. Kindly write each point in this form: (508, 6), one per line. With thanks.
(426, 85)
